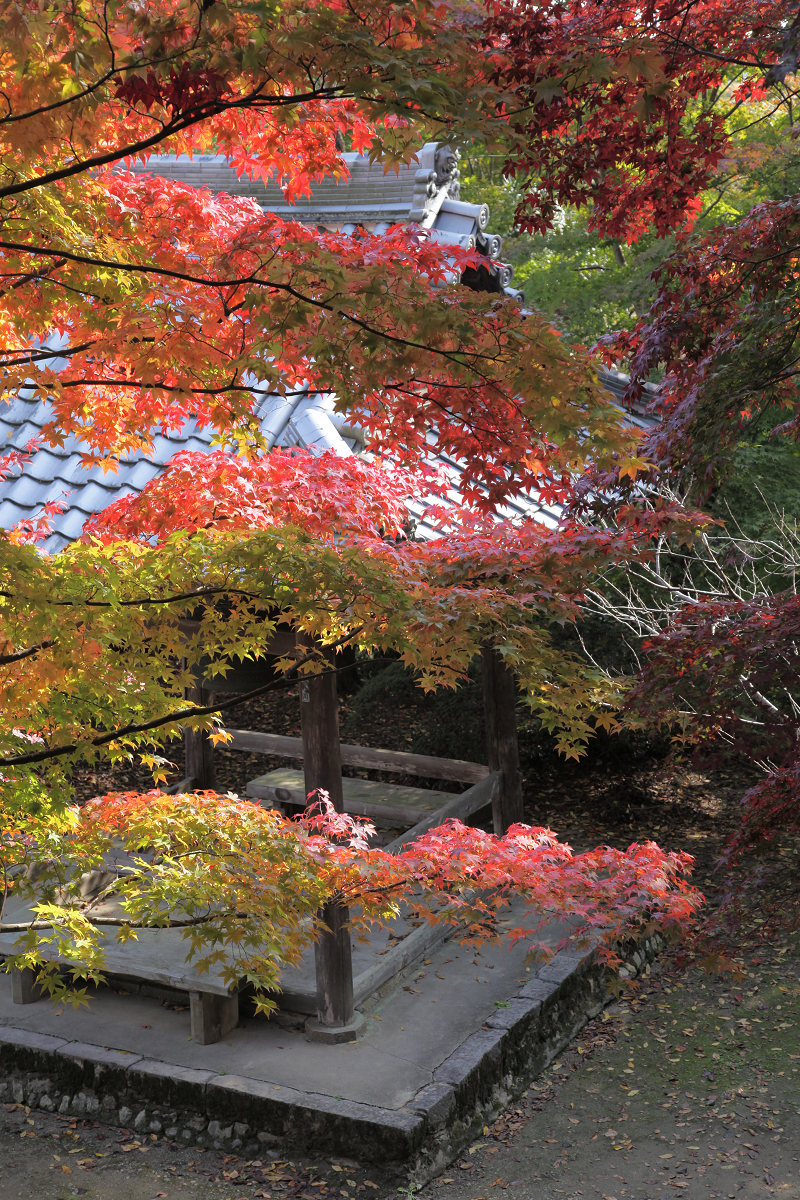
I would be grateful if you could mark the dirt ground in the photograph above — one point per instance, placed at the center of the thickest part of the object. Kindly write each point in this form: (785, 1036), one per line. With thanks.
(688, 1084)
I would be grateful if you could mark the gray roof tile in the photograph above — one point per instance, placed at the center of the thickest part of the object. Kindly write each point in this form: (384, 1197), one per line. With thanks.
(426, 192)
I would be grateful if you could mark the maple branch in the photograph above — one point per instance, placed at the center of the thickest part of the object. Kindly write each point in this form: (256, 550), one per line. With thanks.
(155, 385)
(34, 356)
(113, 70)
(11, 119)
(185, 714)
(6, 659)
(452, 356)
(146, 601)
(178, 124)
(120, 922)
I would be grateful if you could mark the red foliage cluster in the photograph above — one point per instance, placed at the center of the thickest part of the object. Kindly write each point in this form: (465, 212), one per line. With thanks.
(610, 101)
(327, 495)
(721, 661)
(722, 330)
(453, 874)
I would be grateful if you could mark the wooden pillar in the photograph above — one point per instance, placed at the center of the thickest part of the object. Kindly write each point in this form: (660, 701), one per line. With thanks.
(322, 768)
(319, 717)
(198, 747)
(24, 986)
(500, 703)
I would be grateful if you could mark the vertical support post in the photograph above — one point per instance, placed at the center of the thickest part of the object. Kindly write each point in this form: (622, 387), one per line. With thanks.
(500, 702)
(198, 747)
(24, 987)
(212, 1017)
(322, 768)
(319, 718)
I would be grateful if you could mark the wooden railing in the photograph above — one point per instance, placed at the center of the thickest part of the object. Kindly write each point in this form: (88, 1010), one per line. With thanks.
(425, 766)
(498, 784)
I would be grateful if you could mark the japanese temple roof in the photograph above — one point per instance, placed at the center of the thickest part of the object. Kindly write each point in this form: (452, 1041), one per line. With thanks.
(307, 420)
(425, 192)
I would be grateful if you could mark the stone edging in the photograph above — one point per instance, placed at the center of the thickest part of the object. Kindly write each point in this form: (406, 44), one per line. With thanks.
(249, 1116)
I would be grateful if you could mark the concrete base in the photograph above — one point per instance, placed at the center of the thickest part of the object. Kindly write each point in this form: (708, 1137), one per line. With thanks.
(332, 1035)
(443, 1048)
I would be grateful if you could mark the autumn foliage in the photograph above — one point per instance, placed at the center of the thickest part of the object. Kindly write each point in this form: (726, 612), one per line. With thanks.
(245, 884)
(620, 110)
(162, 303)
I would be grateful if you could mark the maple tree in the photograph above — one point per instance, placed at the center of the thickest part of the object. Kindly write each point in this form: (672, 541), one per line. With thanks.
(170, 303)
(110, 261)
(245, 884)
(638, 132)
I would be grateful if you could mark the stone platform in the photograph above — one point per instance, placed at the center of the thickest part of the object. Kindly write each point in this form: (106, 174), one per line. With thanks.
(446, 1044)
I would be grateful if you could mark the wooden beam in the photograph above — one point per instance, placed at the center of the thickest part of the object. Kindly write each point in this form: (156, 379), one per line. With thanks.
(398, 761)
(500, 704)
(460, 807)
(198, 747)
(322, 768)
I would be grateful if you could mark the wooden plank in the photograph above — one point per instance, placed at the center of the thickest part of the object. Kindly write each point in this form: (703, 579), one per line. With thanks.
(183, 785)
(500, 704)
(251, 742)
(361, 797)
(398, 761)
(459, 807)
(158, 955)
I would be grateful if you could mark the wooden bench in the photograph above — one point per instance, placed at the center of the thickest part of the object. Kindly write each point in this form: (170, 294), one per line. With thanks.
(285, 788)
(156, 956)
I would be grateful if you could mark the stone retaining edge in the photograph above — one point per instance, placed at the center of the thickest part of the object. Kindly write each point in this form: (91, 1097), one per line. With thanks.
(249, 1116)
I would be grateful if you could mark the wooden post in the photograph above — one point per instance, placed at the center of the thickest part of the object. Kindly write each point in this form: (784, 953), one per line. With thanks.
(212, 1017)
(322, 768)
(24, 987)
(499, 703)
(319, 717)
(198, 747)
